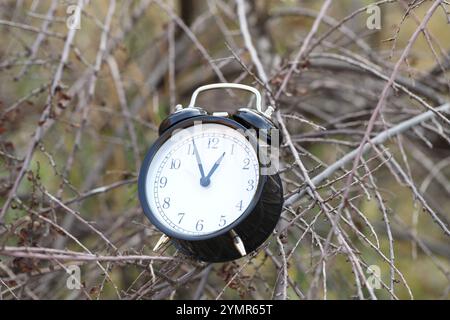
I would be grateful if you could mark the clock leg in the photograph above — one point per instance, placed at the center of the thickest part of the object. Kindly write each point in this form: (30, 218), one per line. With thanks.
(161, 242)
(238, 243)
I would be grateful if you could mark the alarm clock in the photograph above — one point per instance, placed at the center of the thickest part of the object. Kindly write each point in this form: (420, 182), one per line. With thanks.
(203, 184)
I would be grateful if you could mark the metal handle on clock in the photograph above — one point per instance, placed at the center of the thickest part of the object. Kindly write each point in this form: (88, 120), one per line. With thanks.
(227, 86)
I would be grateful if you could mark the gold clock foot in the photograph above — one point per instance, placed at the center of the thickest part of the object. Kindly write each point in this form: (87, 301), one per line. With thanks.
(161, 242)
(238, 244)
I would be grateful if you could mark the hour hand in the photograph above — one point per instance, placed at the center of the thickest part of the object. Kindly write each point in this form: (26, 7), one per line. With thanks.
(207, 180)
(199, 161)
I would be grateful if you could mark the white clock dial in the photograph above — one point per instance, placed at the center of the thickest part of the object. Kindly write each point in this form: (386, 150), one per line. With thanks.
(202, 179)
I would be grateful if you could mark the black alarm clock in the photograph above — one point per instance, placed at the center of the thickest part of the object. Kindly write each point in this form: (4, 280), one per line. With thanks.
(204, 182)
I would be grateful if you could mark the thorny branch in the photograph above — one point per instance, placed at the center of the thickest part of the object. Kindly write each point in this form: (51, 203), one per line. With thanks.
(365, 124)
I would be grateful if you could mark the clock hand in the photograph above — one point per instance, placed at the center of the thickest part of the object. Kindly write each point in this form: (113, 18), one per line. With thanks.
(207, 180)
(199, 162)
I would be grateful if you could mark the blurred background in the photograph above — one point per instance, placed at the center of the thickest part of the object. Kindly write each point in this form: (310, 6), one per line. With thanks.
(81, 101)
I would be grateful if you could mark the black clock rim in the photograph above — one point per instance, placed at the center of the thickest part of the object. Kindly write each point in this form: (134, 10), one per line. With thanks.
(154, 149)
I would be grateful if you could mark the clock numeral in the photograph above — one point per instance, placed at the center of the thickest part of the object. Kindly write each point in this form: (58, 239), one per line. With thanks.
(190, 151)
(181, 215)
(251, 185)
(239, 205)
(199, 225)
(166, 203)
(232, 149)
(175, 164)
(222, 221)
(213, 143)
(162, 182)
(246, 164)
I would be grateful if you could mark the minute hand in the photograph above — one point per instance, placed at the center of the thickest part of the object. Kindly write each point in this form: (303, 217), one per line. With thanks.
(199, 162)
(206, 180)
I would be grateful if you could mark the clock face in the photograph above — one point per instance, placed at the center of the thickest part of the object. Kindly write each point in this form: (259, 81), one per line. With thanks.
(202, 179)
